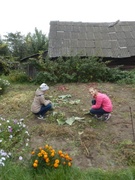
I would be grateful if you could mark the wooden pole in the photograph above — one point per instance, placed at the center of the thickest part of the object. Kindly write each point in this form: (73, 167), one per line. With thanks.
(132, 123)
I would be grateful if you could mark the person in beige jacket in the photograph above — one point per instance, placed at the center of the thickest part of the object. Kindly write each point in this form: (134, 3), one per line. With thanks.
(40, 105)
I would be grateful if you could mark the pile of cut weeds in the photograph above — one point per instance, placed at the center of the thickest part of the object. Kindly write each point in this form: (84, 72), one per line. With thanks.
(90, 142)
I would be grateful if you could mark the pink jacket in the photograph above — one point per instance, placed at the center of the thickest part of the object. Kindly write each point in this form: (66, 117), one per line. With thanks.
(102, 100)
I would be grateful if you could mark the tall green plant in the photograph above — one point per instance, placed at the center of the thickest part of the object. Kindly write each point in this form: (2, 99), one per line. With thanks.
(16, 44)
(36, 42)
(21, 46)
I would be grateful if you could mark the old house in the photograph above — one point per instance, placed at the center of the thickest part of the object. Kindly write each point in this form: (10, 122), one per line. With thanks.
(110, 41)
(30, 68)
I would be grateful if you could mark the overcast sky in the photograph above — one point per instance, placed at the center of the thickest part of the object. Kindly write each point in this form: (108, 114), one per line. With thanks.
(24, 15)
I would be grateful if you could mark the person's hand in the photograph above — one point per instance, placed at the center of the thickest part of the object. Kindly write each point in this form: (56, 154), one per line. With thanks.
(49, 102)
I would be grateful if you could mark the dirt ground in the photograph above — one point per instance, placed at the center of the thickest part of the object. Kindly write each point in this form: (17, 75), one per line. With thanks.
(90, 142)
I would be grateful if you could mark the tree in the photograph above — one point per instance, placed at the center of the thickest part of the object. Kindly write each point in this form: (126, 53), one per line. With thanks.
(20, 46)
(3, 48)
(36, 42)
(16, 44)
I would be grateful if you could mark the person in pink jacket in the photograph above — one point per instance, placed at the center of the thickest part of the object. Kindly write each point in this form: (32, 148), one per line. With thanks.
(101, 105)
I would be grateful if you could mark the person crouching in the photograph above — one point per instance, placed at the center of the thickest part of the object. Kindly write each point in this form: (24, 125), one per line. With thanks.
(40, 105)
(101, 105)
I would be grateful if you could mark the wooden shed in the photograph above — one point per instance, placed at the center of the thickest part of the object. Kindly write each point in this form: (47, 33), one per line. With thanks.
(108, 40)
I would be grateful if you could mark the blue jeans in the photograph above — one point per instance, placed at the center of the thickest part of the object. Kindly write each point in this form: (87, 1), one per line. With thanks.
(44, 109)
(99, 111)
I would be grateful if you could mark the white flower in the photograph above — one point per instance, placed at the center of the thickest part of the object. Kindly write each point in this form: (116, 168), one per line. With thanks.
(2, 119)
(24, 125)
(9, 154)
(2, 164)
(3, 153)
(7, 121)
(10, 136)
(3, 158)
(27, 144)
(0, 124)
(20, 158)
(0, 140)
(27, 133)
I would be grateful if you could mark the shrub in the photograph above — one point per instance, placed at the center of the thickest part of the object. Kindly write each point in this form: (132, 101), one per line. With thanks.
(4, 67)
(13, 134)
(3, 157)
(3, 85)
(45, 77)
(18, 76)
(129, 77)
(47, 158)
(76, 69)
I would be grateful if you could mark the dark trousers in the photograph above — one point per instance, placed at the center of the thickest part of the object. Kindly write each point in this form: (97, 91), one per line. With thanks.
(99, 111)
(44, 109)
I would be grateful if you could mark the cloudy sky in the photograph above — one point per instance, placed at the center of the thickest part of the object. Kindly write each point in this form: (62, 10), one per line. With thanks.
(24, 15)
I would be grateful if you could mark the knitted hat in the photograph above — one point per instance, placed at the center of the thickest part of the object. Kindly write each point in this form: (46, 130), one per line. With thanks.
(44, 87)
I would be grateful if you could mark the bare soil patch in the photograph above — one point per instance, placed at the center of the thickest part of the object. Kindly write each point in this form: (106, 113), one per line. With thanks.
(90, 142)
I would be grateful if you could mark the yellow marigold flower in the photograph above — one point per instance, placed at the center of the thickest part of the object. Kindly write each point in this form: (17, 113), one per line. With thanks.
(36, 161)
(33, 152)
(70, 159)
(69, 164)
(67, 157)
(40, 148)
(46, 146)
(62, 155)
(39, 154)
(45, 156)
(52, 154)
(52, 151)
(56, 165)
(42, 151)
(35, 165)
(64, 162)
(57, 161)
(50, 147)
(47, 160)
(59, 152)
(45, 153)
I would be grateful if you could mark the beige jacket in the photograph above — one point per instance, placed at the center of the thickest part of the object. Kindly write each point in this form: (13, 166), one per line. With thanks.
(38, 101)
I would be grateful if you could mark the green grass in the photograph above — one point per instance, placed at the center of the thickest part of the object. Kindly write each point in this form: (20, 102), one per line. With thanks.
(13, 171)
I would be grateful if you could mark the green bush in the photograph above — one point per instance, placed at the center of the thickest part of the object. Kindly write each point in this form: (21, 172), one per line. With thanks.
(4, 67)
(12, 132)
(18, 77)
(45, 77)
(75, 69)
(3, 85)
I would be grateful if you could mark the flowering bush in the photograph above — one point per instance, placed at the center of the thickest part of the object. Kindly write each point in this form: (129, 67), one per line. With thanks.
(47, 158)
(3, 85)
(13, 135)
(3, 156)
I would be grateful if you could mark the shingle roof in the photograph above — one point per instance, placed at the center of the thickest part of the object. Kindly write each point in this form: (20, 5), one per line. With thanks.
(115, 40)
